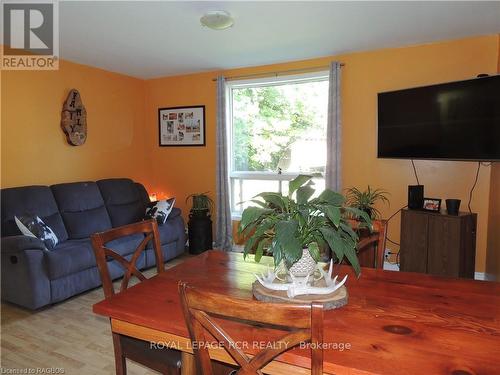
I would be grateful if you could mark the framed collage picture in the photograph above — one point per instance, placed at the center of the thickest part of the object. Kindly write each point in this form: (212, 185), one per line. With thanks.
(182, 126)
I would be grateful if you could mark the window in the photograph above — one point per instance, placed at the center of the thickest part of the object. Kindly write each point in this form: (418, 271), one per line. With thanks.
(277, 130)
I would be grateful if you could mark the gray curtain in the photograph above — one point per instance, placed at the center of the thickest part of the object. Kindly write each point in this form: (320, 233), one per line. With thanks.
(333, 175)
(223, 227)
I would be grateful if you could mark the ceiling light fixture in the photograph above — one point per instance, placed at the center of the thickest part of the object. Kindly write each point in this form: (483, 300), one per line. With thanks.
(217, 20)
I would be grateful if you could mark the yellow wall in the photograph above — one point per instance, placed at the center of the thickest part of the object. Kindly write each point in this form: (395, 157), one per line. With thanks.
(493, 249)
(123, 126)
(34, 148)
(183, 171)
(180, 171)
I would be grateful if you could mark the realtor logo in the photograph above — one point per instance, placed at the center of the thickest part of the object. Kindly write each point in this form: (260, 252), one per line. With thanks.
(30, 35)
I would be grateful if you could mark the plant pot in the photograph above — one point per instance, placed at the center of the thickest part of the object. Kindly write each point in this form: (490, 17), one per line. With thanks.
(199, 213)
(304, 266)
(200, 232)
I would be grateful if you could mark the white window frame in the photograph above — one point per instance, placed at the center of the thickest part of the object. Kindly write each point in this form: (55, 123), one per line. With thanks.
(255, 175)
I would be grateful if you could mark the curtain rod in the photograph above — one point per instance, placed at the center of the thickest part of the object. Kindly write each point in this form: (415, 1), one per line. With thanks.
(285, 72)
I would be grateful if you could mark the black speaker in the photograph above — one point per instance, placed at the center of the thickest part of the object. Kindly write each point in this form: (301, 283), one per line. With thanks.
(453, 206)
(415, 197)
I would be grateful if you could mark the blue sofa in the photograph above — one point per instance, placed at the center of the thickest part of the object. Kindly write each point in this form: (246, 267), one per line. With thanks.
(33, 276)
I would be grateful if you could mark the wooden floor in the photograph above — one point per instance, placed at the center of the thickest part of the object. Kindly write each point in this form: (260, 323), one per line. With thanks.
(67, 336)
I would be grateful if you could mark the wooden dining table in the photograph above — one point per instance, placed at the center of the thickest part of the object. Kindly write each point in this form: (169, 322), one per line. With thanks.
(394, 322)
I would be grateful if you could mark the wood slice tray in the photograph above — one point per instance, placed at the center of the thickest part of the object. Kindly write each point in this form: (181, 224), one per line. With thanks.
(330, 301)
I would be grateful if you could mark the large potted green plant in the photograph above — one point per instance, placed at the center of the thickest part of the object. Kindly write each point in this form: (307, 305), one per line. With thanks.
(294, 227)
(200, 223)
(366, 200)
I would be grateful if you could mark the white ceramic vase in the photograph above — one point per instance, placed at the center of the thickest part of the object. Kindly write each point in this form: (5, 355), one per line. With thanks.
(304, 266)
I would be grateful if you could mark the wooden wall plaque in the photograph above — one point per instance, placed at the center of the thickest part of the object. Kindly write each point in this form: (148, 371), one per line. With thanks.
(74, 119)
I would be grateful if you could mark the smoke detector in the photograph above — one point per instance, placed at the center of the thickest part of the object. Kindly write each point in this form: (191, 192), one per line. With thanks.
(217, 20)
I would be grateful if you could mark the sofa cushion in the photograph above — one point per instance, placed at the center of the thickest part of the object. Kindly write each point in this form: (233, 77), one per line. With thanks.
(172, 230)
(125, 245)
(31, 200)
(122, 200)
(70, 257)
(143, 193)
(73, 256)
(170, 251)
(82, 208)
(174, 213)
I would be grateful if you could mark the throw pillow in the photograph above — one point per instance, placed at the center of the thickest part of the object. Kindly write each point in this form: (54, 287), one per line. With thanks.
(33, 226)
(160, 210)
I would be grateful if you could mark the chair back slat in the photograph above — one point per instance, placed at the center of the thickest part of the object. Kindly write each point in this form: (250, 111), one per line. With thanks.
(129, 266)
(301, 323)
(295, 316)
(221, 336)
(132, 269)
(102, 253)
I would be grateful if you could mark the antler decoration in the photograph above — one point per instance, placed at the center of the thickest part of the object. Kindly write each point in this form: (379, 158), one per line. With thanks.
(300, 285)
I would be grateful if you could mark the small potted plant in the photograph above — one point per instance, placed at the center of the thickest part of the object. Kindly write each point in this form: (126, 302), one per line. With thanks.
(293, 228)
(202, 205)
(366, 200)
(200, 223)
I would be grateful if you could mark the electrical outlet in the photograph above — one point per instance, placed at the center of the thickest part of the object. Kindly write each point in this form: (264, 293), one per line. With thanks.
(387, 253)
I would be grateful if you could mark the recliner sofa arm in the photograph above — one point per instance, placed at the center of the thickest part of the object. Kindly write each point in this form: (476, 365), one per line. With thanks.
(14, 244)
(25, 280)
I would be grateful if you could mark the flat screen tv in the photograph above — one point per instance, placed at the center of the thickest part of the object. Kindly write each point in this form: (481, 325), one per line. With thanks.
(455, 121)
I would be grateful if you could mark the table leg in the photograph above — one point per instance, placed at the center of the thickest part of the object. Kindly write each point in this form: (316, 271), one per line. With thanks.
(188, 364)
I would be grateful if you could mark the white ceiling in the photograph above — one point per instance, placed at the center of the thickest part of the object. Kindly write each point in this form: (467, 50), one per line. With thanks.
(153, 39)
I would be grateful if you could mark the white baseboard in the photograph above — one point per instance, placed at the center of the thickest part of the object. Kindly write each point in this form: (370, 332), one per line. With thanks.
(390, 266)
(479, 276)
(484, 276)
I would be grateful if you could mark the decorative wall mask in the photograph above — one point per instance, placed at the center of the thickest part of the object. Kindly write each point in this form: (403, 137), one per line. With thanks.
(74, 119)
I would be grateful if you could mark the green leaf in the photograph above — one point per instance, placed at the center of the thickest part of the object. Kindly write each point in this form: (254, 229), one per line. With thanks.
(333, 239)
(331, 197)
(314, 251)
(260, 250)
(348, 229)
(276, 250)
(275, 199)
(286, 237)
(302, 215)
(256, 201)
(360, 213)
(248, 229)
(249, 245)
(350, 253)
(259, 234)
(318, 237)
(333, 213)
(297, 182)
(251, 215)
(304, 193)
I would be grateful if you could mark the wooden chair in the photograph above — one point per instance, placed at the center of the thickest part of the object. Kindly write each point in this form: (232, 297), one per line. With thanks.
(165, 361)
(374, 241)
(303, 323)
